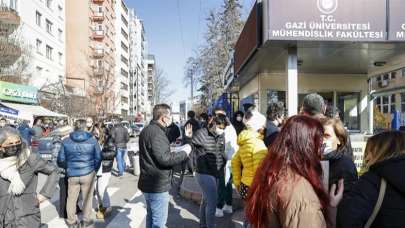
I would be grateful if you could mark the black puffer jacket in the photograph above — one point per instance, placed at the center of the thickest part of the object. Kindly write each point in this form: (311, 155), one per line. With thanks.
(108, 154)
(156, 160)
(357, 205)
(341, 167)
(209, 152)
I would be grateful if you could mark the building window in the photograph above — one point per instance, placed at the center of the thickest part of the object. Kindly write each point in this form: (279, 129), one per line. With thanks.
(403, 102)
(39, 46)
(60, 9)
(49, 50)
(39, 71)
(124, 20)
(125, 47)
(124, 73)
(393, 75)
(49, 4)
(125, 34)
(38, 16)
(124, 60)
(48, 26)
(392, 103)
(60, 34)
(60, 57)
(403, 72)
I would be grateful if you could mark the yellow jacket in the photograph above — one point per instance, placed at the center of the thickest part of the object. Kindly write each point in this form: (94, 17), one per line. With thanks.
(249, 156)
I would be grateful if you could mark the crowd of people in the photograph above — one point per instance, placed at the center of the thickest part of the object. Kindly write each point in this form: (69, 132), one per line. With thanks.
(307, 175)
(290, 172)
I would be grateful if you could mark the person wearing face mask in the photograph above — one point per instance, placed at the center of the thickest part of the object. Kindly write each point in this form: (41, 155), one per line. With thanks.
(237, 122)
(3, 122)
(209, 156)
(341, 166)
(275, 117)
(157, 161)
(250, 154)
(19, 169)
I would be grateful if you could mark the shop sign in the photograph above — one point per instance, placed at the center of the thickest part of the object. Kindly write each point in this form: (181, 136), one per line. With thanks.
(327, 20)
(397, 20)
(18, 93)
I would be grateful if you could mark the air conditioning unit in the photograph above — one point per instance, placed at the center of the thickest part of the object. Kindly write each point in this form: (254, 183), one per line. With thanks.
(383, 84)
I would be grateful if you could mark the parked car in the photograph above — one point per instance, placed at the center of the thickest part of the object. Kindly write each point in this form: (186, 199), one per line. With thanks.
(48, 146)
(140, 125)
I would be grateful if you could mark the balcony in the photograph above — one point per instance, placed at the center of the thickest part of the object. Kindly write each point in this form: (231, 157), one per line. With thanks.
(9, 53)
(9, 21)
(98, 71)
(98, 1)
(98, 34)
(98, 52)
(98, 16)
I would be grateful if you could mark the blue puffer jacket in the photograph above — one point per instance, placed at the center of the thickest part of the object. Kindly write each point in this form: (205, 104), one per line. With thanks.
(26, 132)
(80, 154)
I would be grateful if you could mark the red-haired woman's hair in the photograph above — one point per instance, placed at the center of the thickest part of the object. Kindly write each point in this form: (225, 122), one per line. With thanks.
(297, 148)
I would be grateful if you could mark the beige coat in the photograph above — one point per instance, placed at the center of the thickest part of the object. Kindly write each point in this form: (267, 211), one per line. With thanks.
(297, 205)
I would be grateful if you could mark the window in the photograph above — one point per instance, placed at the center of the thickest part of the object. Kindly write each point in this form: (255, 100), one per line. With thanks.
(125, 47)
(60, 9)
(393, 75)
(48, 26)
(39, 46)
(124, 33)
(38, 16)
(124, 86)
(124, 20)
(124, 73)
(49, 4)
(60, 34)
(39, 71)
(124, 60)
(386, 76)
(99, 63)
(402, 102)
(386, 103)
(60, 57)
(49, 50)
(392, 103)
(403, 72)
(124, 100)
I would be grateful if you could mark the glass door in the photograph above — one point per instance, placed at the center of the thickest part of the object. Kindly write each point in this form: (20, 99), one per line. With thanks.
(348, 106)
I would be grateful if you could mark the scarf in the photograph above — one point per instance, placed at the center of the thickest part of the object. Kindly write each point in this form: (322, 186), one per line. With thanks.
(9, 171)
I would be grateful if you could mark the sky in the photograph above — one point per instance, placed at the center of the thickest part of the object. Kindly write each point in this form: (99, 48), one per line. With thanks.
(174, 30)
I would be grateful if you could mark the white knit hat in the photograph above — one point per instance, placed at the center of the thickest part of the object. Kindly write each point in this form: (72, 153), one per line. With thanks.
(257, 121)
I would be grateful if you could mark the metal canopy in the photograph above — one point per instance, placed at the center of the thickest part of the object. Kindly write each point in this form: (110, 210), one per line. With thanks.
(321, 57)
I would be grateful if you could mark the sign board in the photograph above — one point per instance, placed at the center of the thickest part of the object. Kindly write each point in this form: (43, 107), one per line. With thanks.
(327, 20)
(18, 93)
(397, 20)
(358, 154)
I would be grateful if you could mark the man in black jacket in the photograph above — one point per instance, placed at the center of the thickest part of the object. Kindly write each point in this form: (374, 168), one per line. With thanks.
(156, 162)
(120, 137)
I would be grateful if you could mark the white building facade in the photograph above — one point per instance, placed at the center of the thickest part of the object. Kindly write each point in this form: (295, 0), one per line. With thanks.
(139, 104)
(42, 35)
(122, 58)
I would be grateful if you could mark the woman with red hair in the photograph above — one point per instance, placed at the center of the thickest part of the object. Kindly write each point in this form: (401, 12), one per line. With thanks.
(288, 191)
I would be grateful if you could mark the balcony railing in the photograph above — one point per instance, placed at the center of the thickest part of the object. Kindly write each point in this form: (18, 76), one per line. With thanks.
(9, 21)
(98, 1)
(98, 16)
(98, 53)
(98, 34)
(98, 71)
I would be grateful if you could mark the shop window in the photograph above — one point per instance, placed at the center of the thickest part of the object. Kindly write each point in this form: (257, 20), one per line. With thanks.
(275, 96)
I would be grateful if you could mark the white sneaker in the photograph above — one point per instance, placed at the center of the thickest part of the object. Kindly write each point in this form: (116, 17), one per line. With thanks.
(219, 213)
(227, 209)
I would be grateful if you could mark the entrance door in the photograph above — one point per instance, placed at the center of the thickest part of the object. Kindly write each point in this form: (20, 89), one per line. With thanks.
(348, 106)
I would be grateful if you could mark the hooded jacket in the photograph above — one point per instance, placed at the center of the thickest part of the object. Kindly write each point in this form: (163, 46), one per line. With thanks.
(80, 154)
(249, 156)
(26, 132)
(357, 205)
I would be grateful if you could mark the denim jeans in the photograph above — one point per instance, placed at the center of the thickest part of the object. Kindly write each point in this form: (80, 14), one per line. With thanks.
(157, 209)
(120, 160)
(208, 186)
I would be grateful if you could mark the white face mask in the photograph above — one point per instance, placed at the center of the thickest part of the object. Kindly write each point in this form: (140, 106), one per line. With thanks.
(219, 131)
(89, 124)
(239, 118)
(328, 144)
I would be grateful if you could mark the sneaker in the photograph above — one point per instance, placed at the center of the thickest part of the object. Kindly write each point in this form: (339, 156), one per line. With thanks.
(227, 209)
(219, 213)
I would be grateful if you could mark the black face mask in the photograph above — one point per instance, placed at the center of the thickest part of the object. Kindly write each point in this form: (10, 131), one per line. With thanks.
(10, 151)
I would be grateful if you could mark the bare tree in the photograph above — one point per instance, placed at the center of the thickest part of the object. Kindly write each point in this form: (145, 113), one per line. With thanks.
(162, 90)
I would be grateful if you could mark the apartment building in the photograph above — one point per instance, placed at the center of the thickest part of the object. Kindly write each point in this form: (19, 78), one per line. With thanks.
(151, 63)
(91, 53)
(122, 39)
(139, 104)
(42, 39)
